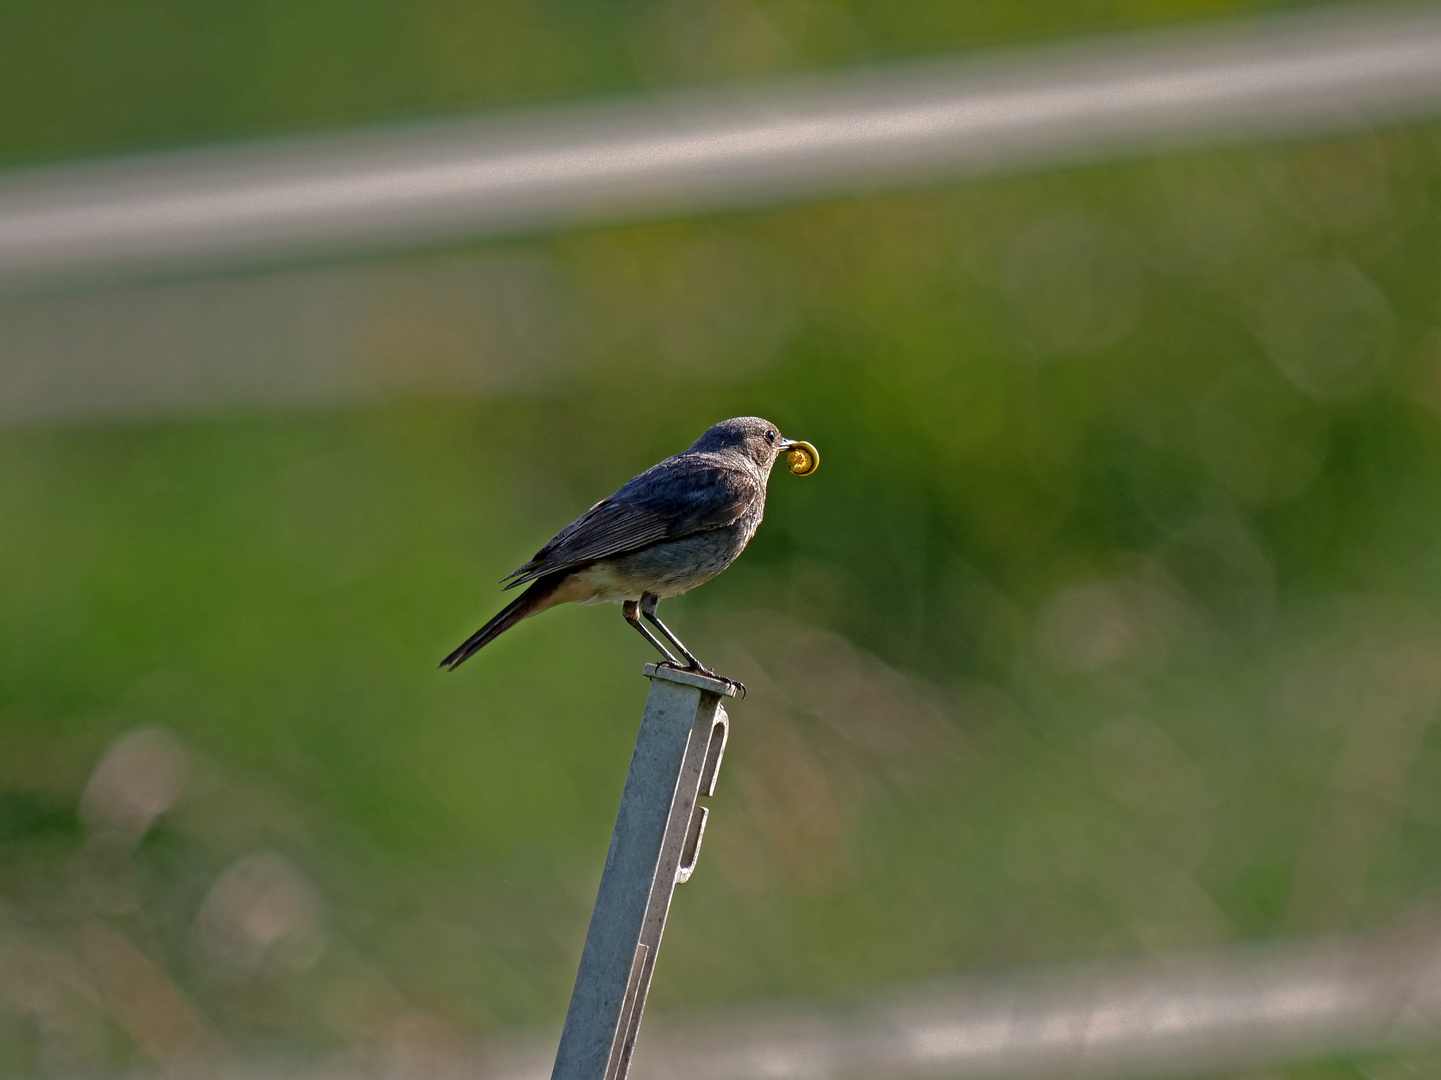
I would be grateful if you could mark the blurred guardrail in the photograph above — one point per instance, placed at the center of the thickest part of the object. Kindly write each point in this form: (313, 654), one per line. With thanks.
(1198, 1015)
(1188, 1016)
(432, 183)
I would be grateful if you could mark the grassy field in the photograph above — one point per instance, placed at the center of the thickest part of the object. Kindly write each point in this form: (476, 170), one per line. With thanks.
(1109, 624)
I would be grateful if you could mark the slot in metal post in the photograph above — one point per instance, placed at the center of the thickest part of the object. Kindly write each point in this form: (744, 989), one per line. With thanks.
(654, 846)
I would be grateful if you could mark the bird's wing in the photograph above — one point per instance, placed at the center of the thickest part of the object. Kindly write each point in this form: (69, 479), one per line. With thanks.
(682, 495)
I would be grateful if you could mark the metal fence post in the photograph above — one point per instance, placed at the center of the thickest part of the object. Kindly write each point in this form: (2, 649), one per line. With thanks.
(657, 838)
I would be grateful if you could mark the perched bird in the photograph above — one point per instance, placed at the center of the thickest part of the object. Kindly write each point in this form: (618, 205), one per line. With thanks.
(673, 527)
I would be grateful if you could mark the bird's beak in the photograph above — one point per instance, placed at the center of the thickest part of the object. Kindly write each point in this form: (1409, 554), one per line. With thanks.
(802, 458)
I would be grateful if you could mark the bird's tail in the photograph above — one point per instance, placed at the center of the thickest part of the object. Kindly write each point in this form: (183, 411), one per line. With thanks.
(537, 598)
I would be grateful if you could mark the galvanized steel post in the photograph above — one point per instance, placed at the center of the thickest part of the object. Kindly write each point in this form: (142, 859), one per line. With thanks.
(657, 838)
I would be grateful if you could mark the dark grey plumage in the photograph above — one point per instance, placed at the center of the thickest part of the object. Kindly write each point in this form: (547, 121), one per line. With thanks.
(694, 492)
(673, 527)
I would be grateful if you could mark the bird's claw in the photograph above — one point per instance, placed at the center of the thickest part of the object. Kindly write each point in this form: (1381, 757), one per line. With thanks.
(734, 684)
(701, 669)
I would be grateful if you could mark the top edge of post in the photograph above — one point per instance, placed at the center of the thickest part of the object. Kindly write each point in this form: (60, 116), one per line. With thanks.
(690, 678)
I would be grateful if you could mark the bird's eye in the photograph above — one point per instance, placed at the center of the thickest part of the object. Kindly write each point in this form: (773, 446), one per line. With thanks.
(770, 436)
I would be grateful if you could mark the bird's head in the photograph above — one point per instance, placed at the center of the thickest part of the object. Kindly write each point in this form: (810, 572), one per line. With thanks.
(761, 442)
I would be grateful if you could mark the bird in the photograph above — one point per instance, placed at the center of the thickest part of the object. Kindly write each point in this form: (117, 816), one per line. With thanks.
(666, 531)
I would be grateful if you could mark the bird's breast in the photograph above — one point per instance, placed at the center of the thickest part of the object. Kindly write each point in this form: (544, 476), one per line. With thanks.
(675, 566)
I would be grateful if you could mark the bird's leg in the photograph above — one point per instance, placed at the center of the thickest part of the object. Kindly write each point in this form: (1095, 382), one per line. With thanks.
(629, 609)
(648, 604)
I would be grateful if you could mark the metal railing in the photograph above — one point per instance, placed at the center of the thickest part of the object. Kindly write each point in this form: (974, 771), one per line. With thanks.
(1218, 1013)
(435, 183)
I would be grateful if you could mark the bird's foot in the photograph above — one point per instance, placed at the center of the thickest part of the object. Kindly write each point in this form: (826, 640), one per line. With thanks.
(700, 669)
(735, 684)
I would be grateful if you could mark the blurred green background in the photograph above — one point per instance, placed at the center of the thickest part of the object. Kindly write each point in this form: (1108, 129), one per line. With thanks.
(1108, 626)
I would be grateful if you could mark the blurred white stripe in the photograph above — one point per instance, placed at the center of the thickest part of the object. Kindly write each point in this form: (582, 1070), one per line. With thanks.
(434, 183)
(1183, 1016)
(1200, 1015)
(1188, 1016)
